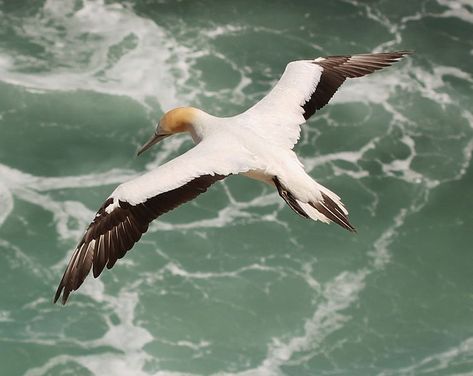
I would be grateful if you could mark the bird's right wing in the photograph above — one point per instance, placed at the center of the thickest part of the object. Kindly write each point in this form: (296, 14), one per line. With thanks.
(126, 214)
(305, 87)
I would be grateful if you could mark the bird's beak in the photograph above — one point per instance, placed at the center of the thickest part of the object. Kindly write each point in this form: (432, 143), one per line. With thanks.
(158, 136)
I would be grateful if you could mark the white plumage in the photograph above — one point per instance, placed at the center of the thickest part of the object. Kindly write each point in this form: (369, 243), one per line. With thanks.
(257, 143)
(278, 116)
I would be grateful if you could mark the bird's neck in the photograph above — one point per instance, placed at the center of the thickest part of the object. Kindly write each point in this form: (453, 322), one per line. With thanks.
(203, 126)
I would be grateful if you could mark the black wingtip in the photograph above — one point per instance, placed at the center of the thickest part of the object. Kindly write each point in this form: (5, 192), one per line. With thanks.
(398, 55)
(64, 298)
(352, 229)
(404, 53)
(61, 290)
(58, 295)
(349, 227)
(58, 291)
(400, 52)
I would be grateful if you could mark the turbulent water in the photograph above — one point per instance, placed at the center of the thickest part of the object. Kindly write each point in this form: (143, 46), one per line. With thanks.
(235, 283)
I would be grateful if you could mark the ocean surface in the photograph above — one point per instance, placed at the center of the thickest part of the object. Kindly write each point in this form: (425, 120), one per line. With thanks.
(235, 283)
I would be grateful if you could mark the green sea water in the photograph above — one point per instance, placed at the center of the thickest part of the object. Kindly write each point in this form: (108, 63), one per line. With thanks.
(235, 283)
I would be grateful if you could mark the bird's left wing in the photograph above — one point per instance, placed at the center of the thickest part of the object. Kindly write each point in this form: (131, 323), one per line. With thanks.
(126, 214)
(305, 87)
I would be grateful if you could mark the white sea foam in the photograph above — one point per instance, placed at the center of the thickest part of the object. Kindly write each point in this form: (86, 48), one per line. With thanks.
(16, 258)
(5, 316)
(30, 188)
(457, 8)
(439, 363)
(128, 54)
(6, 203)
(125, 336)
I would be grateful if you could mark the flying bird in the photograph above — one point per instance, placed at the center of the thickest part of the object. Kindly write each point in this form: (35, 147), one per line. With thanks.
(257, 144)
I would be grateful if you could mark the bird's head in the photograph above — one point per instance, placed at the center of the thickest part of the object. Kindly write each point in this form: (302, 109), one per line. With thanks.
(177, 120)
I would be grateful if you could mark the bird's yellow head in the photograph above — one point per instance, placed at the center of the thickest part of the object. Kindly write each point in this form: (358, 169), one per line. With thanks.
(177, 120)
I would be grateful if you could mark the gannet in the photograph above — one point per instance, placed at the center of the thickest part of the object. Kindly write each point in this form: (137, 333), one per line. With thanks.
(257, 143)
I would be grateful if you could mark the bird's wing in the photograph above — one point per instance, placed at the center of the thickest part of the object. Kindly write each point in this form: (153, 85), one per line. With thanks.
(126, 214)
(305, 87)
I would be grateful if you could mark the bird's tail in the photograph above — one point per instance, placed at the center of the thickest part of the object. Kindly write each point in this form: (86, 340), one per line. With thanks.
(327, 207)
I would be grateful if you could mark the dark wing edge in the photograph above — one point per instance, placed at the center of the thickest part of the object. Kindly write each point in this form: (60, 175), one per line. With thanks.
(111, 235)
(336, 69)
